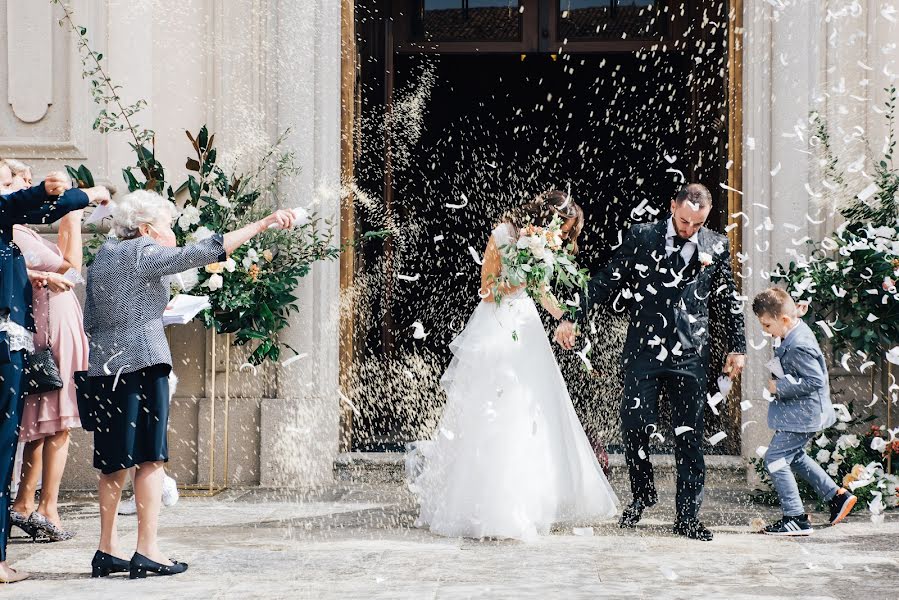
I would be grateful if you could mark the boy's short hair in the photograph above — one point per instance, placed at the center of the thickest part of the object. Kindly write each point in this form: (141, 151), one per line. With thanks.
(773, 302)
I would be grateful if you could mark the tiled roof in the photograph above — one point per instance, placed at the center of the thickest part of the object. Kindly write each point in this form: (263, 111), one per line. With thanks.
(631, 20)
(500, 24)
(504, 24)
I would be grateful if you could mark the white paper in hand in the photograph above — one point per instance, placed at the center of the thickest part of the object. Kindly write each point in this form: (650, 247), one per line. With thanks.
(73, 276)
(101, 212)
(183, 308)
(776, 368)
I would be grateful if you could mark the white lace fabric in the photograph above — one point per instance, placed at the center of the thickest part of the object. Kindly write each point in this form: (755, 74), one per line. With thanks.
(19, 337)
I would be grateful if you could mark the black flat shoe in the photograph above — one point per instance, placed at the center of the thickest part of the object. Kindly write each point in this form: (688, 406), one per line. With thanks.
(633, 513)
(693, 529)
(141, 565)
(104, 564)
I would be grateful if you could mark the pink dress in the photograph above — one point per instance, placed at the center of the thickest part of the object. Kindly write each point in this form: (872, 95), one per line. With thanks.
(60, 325)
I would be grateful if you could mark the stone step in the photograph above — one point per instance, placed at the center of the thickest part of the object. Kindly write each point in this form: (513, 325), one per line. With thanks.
(387, 467)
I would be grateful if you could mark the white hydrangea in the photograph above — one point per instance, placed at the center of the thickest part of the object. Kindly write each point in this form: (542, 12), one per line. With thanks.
(189, 216)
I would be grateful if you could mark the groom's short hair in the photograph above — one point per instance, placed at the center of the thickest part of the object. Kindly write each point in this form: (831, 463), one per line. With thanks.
(694, 193)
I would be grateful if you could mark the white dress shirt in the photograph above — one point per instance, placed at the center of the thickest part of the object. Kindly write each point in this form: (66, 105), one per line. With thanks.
(690, 245)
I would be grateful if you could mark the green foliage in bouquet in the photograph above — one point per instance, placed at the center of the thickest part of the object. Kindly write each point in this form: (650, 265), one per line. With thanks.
(252, 293)
(850, 276)
(540, 261)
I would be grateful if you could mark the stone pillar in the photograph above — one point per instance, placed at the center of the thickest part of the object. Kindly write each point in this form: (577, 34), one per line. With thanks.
(781, 67)
(300, 429)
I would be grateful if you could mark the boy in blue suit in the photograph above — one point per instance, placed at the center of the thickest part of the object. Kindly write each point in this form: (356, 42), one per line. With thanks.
(800, 409)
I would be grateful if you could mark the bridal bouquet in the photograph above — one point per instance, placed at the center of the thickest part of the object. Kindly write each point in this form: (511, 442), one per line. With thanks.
(541, 261)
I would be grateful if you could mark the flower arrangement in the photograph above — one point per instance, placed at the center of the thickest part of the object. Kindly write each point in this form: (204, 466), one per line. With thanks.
(855, 461)
(541, 261)
(850, 276)
(252, 292)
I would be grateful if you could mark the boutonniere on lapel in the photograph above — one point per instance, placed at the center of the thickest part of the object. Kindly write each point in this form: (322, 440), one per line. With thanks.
(705, 259)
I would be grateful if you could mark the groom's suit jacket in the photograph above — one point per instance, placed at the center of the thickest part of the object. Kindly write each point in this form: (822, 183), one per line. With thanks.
(663, 309)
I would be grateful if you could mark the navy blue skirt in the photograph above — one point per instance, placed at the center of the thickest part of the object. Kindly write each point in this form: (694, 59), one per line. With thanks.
(132, 419)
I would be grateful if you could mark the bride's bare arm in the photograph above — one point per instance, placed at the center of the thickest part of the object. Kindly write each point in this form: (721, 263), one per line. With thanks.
(490, 272)
(549, 302)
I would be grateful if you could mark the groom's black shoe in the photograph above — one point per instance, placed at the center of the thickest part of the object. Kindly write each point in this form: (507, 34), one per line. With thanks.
(633, 513)
(693, 529)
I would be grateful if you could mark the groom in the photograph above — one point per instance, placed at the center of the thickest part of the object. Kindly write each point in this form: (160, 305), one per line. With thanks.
(677, 278)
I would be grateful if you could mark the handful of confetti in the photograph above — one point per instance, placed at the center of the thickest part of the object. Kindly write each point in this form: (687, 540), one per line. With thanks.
(540, 260)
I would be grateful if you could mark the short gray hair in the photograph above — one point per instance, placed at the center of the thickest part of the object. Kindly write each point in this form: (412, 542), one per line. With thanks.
(138, 208)
(695, 193)
(16, 166)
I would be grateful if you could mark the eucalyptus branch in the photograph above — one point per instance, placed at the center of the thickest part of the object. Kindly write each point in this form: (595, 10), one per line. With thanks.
(104, 92)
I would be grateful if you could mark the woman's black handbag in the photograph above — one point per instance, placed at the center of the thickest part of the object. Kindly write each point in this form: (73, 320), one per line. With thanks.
(41, 373)
(87, 401)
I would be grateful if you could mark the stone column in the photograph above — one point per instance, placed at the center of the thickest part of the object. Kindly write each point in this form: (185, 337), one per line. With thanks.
(781, 67)
(300, 429)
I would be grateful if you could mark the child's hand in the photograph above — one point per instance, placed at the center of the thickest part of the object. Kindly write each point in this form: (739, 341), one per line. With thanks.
(772, 386)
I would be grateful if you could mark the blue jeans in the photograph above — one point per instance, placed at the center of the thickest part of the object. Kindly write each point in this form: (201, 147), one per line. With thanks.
(11, 404)
(786, 455)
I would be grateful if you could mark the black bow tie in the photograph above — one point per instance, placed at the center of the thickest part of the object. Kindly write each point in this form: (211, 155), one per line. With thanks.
(678, 242)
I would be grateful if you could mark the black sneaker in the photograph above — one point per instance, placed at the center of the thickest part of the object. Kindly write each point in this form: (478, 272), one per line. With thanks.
(790, 526)
(841, 505)
(633, 513)
(693, 529)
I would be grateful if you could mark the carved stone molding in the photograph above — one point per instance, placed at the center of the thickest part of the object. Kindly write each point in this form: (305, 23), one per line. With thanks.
(29, 58)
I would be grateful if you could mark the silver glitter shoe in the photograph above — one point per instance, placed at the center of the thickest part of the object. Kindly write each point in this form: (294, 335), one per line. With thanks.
(45, 527)
(22, 521)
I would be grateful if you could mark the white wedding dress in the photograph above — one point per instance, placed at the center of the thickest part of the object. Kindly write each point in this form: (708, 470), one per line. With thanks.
(509, 457)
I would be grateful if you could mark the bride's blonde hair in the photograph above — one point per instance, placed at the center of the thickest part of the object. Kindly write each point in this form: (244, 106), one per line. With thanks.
(543, 208)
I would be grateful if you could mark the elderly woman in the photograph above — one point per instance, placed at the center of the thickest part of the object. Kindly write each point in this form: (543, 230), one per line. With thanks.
(127, 292)
(43, 203)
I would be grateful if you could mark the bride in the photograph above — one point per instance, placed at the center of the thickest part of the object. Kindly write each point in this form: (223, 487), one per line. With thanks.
(509, 457)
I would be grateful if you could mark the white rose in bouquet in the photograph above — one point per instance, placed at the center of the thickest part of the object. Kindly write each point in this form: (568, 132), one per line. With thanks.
(823, 456)
(215, 282)
(832, 469)
(538, 249)
(878, 444)
(848, 441)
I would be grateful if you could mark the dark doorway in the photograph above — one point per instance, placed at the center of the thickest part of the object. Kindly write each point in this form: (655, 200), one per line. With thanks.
(622, 129)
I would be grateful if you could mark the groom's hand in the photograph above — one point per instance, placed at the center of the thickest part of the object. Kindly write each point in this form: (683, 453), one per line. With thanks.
(566, 335)
(734, 365)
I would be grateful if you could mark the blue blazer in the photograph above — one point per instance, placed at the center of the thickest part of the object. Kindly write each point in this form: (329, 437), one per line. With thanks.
(802, 403)
(33, 206)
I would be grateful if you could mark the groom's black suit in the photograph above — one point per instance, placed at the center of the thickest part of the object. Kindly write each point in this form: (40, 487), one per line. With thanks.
(668, 317)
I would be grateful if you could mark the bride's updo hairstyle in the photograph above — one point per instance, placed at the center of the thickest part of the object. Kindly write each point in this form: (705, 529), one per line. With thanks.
(541, 210)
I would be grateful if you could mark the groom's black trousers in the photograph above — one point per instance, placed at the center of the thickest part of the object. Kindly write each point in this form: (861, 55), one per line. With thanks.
(684, 384)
